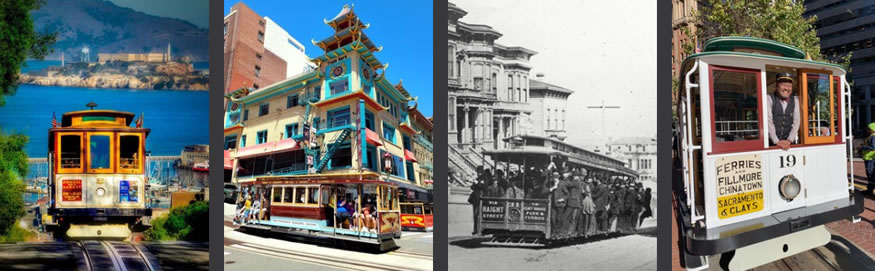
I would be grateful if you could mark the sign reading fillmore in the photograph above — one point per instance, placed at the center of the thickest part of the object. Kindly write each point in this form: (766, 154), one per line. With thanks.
(739, 185)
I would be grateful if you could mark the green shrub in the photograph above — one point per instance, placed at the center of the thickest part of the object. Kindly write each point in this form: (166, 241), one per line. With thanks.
(182, 223)
(16, 234)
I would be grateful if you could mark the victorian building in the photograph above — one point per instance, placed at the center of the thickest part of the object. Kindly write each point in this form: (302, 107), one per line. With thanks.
(343, 117)
(491, 96)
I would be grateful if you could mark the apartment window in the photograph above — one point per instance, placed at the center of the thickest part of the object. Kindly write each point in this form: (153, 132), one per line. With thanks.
(257, 71)
(450, 59)
(243, 141)
(291, 130)
(230, 142)
(338, 117)
(261, 137)
(258, 56)
(342, 157)
(388, 132)
(339, 86)
(292, 100)
(246, 114)
(371, 157)
(406, 140)
(410, 174)
(261, 22)
(263, 109)
(369, 120)
(260, 36)
(226, 29)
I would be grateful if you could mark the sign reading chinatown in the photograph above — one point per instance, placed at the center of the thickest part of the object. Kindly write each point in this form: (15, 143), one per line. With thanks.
(739, 185)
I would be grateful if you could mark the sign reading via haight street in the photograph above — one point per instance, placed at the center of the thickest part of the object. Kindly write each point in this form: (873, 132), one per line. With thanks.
(739, 185)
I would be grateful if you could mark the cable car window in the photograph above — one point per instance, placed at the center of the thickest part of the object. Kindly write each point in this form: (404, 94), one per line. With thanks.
(837, 86)
(735, 110)
(313, 195)
(300, 195)
(818, 106)
(129, 152)
(99, 148)
(277, 194)
(71, 151)
(288, 193)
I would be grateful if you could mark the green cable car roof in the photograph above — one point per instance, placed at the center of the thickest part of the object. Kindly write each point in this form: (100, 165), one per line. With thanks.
(734, 43)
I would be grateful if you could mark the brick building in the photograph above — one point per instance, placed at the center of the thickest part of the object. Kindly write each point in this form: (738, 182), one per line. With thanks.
(257, 51)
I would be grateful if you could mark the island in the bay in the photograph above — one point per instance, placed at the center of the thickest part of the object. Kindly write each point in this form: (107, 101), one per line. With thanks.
(122, 70)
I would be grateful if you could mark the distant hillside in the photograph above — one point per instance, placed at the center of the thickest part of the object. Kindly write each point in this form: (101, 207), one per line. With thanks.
(107, 28)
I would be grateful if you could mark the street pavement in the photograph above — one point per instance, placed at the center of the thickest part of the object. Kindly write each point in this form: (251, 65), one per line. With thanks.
(852, 246)
(245, 251)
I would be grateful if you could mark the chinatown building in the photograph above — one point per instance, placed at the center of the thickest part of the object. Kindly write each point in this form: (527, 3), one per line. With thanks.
(342, 118)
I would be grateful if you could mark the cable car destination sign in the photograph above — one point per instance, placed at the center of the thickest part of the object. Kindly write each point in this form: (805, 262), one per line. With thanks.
(739, 185)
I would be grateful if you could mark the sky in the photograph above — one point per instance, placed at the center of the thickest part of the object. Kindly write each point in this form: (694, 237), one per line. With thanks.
(577, 51)
(193, 11)
(403, 28)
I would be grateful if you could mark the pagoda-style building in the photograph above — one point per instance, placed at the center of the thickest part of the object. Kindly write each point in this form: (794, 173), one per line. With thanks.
(344, 117)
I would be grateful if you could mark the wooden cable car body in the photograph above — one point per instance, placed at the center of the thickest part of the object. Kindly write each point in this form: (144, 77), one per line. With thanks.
(417, 215)
(741, 194)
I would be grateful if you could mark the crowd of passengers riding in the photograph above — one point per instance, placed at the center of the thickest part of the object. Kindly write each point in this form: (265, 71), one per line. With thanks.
(253, 208)
(583, 204)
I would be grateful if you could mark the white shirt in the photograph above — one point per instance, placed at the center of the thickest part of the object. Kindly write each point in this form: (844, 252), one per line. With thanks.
(794, 130)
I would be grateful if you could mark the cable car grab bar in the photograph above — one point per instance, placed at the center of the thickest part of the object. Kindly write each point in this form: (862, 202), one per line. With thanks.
(849, 137)
(688, 149)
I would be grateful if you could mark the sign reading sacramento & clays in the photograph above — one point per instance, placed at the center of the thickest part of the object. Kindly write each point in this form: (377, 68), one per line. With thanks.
(739, 185)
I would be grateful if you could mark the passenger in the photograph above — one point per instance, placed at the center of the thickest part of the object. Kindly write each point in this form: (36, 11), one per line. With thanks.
(645, 202)
(617, 197)
(601, 197)
(572, 208)
(246, 209)
(587, 210)
(514, 192)
(367, 221)
(343, 211)
(474, 199)
(494, 191)
(560, 198)
(868, 150)
(632, 207)
(256, 210)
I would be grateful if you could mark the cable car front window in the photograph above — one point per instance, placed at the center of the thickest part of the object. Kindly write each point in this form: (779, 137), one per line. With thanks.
(99, 152)
(735, 106)
(819, 105)
(71, 147)
(129, 152)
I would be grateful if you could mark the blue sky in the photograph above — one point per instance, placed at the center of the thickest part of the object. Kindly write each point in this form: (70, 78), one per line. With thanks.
(403, 28)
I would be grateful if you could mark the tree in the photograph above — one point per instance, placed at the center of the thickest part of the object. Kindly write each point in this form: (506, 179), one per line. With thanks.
(18, 41)
(13, 165)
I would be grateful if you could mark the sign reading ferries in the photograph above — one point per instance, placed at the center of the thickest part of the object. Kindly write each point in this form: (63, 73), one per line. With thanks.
(739, 185)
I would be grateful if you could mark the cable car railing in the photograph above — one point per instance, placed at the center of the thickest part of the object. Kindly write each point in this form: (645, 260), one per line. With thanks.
(689, 147)
(849, 137)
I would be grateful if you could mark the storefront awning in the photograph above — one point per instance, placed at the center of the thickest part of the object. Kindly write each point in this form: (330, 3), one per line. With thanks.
(267, 148)
(372, 137)
(409, 156)
(228, 163)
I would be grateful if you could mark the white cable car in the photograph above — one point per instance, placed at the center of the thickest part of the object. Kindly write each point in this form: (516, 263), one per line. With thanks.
(742, 196)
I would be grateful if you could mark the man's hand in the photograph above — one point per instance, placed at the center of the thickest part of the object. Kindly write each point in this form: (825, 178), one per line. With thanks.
(784, 144)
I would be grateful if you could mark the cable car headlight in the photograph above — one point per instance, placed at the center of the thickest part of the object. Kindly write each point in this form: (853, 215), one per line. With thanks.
(789, 187)
(100, 192)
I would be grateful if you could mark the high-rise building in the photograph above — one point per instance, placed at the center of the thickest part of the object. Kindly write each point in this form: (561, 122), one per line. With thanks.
(849, 27)
(258, 52)
(681, 19)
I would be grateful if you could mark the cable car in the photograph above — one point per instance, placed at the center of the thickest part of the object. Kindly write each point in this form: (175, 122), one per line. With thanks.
(417, 215)
(527, 222)
(98, 179)
(743, 196)
(306, 205)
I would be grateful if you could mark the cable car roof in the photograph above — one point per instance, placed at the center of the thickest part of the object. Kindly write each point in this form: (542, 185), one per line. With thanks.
(67, 118)
(732, 44)
(763, 50)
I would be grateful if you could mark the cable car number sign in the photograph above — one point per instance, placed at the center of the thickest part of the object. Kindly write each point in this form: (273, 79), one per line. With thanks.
(739, 185)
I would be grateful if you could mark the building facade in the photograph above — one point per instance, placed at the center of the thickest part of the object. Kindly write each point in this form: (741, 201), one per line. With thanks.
(423, 147)
(639, 154)
(847, 27)
(258, 52)
(681, 19)
(343, 117)
(549, 103)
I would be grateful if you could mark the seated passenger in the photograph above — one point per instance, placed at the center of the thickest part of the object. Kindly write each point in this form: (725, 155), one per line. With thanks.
(367, 220)
(343, 211)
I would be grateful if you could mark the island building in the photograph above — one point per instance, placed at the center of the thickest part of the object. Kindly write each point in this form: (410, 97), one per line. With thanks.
(258, 52)
(491, 96)
(343, 118)
(136, 57)
(193, 154)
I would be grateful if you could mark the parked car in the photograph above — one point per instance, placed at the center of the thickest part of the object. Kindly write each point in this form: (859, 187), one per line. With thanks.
(231, 193)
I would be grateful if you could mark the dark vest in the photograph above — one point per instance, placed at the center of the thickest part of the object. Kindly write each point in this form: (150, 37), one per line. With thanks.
(783, 118)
